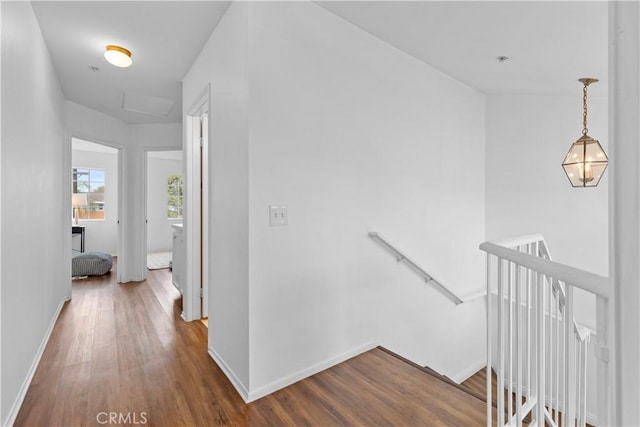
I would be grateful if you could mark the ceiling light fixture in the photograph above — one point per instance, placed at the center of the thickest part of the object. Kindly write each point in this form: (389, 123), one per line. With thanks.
(118, 56)
(586, 161)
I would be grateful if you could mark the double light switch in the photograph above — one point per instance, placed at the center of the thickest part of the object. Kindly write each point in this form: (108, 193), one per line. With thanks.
(278, 215)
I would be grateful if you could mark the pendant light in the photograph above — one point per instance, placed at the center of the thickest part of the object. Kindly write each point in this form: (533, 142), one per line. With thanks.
(586, 161)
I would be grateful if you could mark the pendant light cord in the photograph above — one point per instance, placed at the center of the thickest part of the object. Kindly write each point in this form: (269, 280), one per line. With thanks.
(584, 110)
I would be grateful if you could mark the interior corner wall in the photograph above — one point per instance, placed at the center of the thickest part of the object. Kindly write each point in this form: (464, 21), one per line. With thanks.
(527, 190)
(222, 64)
(35, 218)
(355, 136)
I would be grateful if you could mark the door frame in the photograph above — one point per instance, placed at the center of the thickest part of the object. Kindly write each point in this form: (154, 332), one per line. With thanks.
(196, 236)
(121, 261)
(145, 153)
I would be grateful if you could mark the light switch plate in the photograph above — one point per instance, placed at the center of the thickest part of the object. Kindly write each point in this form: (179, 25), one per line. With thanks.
(278, 215)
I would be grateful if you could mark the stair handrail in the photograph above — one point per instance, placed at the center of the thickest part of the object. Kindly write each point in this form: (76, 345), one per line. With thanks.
(428, 278)
(558, 289)
(561, 280)
(585, 280)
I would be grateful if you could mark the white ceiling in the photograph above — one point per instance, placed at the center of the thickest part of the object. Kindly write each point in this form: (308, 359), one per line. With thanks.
(550, 45)
(83, 145)
(164, 37)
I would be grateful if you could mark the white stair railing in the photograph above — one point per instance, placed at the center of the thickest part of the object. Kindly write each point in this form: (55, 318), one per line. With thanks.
(541, 359)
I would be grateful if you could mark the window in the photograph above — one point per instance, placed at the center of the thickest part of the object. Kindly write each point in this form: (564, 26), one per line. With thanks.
(88, 193)
(175, 196)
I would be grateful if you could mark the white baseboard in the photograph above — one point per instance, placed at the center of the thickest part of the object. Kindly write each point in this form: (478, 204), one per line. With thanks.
(13, 413)
(248, 396)
(307, 372)
(235, 381)
(469, 371)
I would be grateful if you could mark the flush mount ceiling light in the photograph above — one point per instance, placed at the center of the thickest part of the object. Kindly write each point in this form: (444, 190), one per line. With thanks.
(586, 161)
(118, 56)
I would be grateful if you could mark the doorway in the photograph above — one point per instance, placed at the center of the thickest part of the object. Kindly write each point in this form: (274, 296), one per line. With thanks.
(164, 205)
(95, 197)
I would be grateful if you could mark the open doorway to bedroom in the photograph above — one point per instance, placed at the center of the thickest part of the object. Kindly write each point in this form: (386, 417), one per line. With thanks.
(94, 202)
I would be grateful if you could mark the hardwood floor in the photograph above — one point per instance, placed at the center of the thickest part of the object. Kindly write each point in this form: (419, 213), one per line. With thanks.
(124, 349)
(477, 383)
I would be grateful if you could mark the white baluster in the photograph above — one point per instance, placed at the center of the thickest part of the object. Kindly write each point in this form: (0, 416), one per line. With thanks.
(540, 368)
(489, 342)
(584, 382)
(578, 379)
(564, 365)
(518, 347)
(549, 342)
(529, 350)
(510, 342)
(500, 387)
(570, 355)
(557, 370)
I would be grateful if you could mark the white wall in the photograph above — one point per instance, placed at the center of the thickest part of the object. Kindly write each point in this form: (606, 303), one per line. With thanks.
(133, 140)
(223, 64)
(353, 136)
(35, 213)
(159, 230)
(101, 235)
(356, 136)
(528, 191)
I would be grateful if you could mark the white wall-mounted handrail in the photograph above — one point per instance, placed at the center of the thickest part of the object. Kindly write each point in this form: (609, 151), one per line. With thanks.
(429, 279)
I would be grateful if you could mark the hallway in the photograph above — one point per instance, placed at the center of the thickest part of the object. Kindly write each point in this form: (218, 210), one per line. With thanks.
(124, 349)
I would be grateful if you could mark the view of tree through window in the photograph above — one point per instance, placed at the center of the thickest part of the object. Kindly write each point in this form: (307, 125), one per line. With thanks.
(88, 193)
(176, 196)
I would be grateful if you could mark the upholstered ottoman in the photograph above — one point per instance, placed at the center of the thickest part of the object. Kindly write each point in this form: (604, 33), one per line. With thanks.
(91, 264)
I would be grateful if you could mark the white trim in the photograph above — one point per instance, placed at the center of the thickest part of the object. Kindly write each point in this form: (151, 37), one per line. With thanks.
(307, 372)
(235, 381)
(122, 260)
(145, 197)
(469, 371)
(191, 214)
(13, 413)
(276, 385)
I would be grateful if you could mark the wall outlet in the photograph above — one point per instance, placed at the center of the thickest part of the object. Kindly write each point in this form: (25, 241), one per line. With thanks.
(278, 215)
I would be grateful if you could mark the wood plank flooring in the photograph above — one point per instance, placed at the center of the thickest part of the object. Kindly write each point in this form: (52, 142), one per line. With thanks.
(124, 349)
(477, 383)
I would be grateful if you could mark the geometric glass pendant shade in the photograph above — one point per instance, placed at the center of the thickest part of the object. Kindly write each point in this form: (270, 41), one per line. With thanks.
(586, 161)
